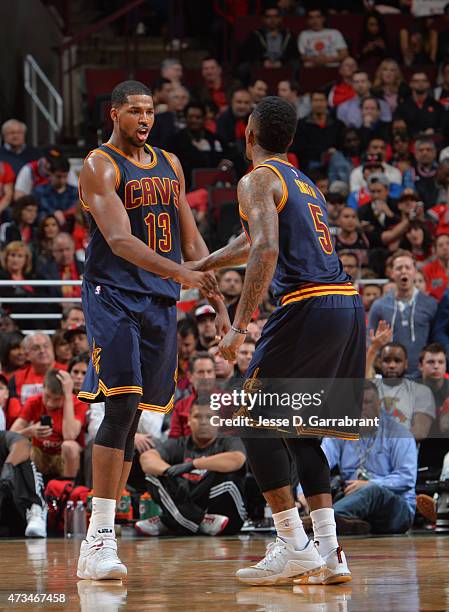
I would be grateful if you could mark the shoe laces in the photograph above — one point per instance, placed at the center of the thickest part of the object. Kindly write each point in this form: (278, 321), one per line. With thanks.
(273, 550)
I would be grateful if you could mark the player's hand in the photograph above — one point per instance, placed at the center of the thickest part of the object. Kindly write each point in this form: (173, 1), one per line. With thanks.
(230, 344)
(204, 281)
(355, 485)
(179, 469)
(222, 323)
(66, 382)
(143, 442)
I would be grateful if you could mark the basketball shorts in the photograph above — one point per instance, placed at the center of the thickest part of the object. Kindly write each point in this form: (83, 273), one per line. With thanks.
(317, 338)
(133, 343)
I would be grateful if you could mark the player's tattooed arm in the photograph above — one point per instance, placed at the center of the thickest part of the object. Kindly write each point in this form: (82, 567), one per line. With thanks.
(258, 193)
(233, 254)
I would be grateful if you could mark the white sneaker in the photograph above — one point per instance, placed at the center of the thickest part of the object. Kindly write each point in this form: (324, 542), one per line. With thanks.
(98, 559)
(110, 596)
(36, 522)
(213, 524)
(151, 527)
(282, 563)
(336, 570)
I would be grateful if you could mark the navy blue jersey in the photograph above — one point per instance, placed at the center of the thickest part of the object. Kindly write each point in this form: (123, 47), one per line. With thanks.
(307, 264)
(150, 195)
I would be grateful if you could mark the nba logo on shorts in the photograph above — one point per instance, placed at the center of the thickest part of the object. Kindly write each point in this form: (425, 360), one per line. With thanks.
(97, 290)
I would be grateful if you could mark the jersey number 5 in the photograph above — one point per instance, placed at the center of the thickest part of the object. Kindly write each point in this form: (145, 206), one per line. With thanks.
(161, 222)
(321, 228)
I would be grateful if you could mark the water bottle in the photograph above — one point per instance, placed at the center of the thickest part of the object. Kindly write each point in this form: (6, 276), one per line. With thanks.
(68, 519)
(79, 520)
(268, 516)
(148, 507)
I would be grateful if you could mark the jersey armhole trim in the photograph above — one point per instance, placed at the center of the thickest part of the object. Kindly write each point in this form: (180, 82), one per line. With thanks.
(284, 198)
(171, 162)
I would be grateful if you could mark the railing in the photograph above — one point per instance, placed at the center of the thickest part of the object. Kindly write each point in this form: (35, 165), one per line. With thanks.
(67, 64)
(51, 108)
(44, 316)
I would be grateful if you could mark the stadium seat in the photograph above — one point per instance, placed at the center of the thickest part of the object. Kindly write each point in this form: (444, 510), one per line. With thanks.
(101, 81)
(218, 196)
(209, 177)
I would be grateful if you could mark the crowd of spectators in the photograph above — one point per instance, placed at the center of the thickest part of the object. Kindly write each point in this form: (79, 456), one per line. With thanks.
(377, 145)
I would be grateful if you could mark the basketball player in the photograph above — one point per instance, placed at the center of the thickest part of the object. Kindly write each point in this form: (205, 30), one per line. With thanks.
(318, 330)
(140, 225)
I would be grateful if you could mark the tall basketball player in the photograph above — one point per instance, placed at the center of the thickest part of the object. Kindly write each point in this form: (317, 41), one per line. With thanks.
(141, 224)
(318, 331)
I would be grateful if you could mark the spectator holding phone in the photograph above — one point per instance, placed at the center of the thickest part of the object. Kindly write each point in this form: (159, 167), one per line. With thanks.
(54, 420)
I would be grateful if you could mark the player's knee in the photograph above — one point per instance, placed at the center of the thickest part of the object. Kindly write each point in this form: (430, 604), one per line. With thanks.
(70, 449)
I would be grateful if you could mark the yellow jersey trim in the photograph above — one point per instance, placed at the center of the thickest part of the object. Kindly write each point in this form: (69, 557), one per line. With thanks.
(133, 161)
(284, 198)
(317, 291)
(171, 162)
(163, 409)
(283, 161)
(108, 391)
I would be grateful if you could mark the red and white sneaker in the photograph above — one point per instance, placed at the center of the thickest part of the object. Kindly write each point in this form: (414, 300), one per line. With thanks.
(98, 559)
(336, 570)
(151, 527)
(213, 524)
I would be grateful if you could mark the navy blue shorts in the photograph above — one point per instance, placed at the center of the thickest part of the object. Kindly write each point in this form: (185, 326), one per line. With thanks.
(321, 337)
(133, 342)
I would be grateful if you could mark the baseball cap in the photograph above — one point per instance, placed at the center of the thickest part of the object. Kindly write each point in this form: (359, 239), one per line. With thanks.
(74, 329)
(379, 177)
(204, 310)
(339, 188)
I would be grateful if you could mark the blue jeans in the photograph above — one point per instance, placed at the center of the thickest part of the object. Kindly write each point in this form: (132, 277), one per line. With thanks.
(384, 510)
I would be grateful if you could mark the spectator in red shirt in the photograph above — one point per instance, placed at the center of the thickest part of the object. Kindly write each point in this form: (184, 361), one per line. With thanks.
(231, 127)
(214, 87)
(29, 380)
(202, 379)
(436, 272)
(6, 185)
(57, 442)
(343, 91)
(37, 173)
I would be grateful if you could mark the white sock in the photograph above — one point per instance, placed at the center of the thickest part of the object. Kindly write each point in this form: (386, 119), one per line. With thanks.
(324, 530)
(103, 515)
(289, 527)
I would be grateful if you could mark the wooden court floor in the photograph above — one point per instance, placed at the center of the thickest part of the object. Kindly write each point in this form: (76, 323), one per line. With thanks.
(405, 573)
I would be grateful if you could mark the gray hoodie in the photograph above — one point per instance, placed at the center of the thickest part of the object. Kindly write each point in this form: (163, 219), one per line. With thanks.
(411, 322)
